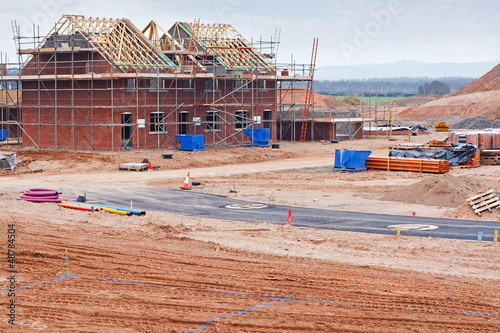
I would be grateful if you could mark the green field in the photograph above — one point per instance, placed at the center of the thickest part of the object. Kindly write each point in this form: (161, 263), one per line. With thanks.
(374, 99)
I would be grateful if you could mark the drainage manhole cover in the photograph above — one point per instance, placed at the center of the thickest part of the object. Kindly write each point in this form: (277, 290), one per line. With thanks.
(246, 206)
(418, 227)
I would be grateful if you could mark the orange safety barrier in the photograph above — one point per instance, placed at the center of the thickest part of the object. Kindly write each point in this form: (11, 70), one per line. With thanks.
(407, 164)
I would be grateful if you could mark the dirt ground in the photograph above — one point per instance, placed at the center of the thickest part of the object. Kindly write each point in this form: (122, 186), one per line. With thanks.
(169, 273)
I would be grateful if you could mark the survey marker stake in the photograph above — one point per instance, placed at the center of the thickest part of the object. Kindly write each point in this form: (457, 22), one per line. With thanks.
(67, 266)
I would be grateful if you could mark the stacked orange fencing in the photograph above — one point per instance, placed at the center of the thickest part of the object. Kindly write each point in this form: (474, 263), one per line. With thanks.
(407, 164)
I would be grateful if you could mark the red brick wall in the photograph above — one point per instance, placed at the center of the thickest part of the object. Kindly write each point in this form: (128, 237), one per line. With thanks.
(95, 108)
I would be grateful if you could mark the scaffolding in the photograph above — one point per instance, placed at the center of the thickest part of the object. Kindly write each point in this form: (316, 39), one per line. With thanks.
(10, 97)
(99, 84)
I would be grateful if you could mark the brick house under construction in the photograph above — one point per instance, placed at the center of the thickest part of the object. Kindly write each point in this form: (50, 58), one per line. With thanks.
(98, 84)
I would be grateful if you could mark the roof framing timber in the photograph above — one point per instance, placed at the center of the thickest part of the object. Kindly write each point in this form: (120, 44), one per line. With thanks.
(164, 41)
(229, 47)
(118, 41)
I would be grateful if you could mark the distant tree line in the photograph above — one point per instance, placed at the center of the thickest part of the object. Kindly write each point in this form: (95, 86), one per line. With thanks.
(399, 86)
(434, 88)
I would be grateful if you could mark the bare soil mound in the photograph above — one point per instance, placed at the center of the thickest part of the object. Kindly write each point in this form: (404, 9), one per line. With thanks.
(478, 98)
(441, 190)
(488, 82)
(485, 104)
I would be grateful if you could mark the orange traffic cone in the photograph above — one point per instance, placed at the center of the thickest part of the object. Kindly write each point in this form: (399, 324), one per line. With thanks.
(150, 167)
(185, 186)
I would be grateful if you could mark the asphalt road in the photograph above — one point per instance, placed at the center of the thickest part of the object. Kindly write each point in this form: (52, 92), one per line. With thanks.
(193, 203)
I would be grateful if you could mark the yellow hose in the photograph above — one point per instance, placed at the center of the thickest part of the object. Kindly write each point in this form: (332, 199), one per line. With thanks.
(116, 211)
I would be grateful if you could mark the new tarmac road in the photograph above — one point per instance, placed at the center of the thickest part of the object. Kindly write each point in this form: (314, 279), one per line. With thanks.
(193, 203)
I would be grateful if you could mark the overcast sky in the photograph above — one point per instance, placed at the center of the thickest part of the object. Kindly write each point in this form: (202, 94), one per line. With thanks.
(349, 31)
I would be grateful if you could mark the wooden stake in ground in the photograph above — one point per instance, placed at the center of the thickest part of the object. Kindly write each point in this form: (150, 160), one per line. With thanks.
(67, 265)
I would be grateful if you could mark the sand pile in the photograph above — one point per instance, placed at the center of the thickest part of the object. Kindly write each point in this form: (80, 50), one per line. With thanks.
(441, 190)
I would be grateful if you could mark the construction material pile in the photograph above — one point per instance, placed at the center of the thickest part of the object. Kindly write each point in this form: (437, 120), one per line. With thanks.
(481, 139)
(473, 123)
(455, 153)
(40, 195)
(490, 157)
(106, 208)
(407, 164)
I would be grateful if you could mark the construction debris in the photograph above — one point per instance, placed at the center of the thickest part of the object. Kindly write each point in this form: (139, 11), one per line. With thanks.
(7, 161)
(407, 164)
(484, 201)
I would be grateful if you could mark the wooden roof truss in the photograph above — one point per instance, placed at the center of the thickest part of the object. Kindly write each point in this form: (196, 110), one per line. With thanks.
(230, 48)
(118, 41)
(165, 42)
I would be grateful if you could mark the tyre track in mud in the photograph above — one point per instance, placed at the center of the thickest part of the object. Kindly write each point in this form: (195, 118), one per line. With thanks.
(147, 279)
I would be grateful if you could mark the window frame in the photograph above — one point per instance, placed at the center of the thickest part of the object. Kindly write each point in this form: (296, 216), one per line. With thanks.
(157, 123)
(213, 124)
(242, 119)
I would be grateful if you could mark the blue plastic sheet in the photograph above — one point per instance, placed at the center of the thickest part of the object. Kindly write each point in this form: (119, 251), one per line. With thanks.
(456, 156)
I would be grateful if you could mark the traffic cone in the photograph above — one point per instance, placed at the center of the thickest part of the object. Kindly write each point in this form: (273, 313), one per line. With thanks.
(185, 186)
(150, 167)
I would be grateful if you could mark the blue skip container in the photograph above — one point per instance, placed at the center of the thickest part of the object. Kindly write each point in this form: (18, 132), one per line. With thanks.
(258, 136)
(191, 142)
(350, 160)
